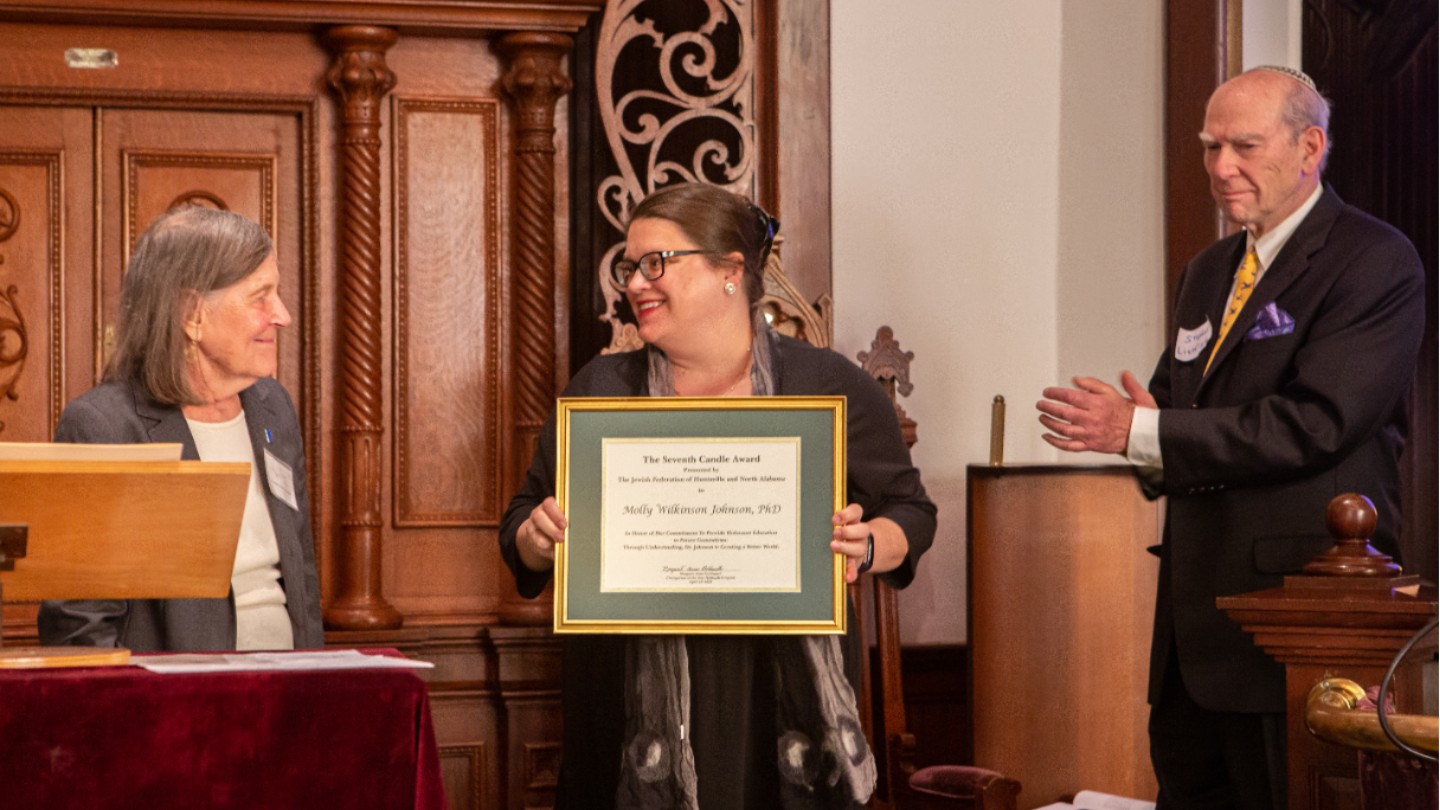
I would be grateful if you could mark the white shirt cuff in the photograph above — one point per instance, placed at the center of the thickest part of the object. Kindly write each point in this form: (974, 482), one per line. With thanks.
(1144, 447)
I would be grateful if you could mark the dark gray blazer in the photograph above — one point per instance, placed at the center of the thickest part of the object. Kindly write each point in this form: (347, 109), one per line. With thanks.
(1304, 401)
(122, 413)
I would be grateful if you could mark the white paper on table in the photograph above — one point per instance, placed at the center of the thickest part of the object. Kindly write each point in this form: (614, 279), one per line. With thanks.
(1095, 800)
(274, 661)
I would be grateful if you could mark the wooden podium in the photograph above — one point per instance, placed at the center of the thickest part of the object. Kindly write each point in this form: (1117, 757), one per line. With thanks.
(119, 529)
(1062, 597)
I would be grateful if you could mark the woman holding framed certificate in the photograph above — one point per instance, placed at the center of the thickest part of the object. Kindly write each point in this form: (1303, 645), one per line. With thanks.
(711, 719)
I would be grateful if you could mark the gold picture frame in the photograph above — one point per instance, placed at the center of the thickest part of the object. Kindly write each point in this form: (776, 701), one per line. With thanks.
(700, 515)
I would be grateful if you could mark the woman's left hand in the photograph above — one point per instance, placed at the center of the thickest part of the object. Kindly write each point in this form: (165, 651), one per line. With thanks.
(853, 538)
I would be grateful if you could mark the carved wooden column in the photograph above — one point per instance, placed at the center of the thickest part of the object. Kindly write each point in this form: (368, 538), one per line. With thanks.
(361, 78)
(535, 81)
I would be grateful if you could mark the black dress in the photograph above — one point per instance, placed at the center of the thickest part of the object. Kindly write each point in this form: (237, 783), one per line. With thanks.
(732, 704)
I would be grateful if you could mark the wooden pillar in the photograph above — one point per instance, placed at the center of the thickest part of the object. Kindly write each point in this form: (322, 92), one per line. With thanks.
(361, 78)
(535, 81)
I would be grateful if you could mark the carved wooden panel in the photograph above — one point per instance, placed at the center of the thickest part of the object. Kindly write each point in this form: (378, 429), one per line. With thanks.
(447, 313)
(540, 773)
(462, 767)
(32, 295)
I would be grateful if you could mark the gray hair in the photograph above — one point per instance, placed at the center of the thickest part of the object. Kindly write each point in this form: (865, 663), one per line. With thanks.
(1303, 107)
(184, 255)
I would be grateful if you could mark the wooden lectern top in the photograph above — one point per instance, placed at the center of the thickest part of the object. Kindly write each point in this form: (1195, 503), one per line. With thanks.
(123, 529)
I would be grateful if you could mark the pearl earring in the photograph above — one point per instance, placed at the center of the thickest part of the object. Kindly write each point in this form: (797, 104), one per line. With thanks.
(729, 288)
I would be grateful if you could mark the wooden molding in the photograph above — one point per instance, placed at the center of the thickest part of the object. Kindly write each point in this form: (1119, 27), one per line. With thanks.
(421, 15)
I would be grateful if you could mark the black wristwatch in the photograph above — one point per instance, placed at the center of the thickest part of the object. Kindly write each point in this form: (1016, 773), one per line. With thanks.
(869, 555)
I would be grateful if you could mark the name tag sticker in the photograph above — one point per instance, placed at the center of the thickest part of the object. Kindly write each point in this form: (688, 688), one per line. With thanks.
(282, 480)
(1189, 342)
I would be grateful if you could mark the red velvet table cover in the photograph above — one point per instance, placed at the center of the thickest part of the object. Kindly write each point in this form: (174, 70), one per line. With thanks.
(122, 737)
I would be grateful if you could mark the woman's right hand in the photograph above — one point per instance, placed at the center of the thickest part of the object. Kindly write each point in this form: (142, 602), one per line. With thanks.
(538, 535)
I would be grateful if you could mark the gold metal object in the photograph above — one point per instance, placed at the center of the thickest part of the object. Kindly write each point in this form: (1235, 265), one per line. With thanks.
(997, 431)
(1330, 715)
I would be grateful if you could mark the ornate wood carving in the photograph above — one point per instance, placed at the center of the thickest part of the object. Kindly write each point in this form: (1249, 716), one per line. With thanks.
(786, 308)
(9, 215)
(535, 81)
(201, 198)
(891, 366)
(15, 338)
(13, 351)
(361, 78)
(680, 109)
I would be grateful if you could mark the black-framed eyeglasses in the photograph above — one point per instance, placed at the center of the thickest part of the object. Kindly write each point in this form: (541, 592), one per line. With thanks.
(651, 265)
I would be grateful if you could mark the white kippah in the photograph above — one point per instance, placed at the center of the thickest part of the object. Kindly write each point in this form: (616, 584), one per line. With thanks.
(1297, 75)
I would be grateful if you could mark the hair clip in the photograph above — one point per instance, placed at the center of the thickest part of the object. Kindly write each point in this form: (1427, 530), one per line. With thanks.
(770, 225)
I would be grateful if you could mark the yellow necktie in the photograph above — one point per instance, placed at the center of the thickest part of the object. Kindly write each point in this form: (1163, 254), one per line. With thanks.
(1244, 285)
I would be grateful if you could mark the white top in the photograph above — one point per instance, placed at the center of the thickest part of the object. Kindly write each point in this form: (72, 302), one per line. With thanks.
(261, 620)
(1143, 449)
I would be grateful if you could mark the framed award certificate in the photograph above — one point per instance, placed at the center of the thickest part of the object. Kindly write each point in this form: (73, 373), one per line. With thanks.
(700, 515)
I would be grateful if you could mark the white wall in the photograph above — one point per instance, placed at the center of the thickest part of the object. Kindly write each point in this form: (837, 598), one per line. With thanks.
(1270, 33)
(996, 174)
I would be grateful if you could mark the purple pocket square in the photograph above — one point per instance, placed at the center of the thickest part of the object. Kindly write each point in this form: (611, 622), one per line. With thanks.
(1271, 322)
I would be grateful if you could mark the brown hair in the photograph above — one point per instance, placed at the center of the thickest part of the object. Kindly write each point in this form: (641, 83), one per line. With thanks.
(185, 254)
(717, 221)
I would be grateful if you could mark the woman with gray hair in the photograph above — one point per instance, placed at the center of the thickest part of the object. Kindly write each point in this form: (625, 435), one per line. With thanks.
(195, 356)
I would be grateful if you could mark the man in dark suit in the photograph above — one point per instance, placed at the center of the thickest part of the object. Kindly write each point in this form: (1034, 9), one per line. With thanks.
(1283, 386)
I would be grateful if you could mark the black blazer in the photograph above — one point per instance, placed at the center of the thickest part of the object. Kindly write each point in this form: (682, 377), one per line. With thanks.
(1304, 401)
(121, 413)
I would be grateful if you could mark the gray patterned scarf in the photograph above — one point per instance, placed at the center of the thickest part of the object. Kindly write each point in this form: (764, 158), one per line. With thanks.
(821, 753)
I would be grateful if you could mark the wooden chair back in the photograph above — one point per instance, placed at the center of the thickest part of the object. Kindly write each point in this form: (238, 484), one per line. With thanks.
(902, 786)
